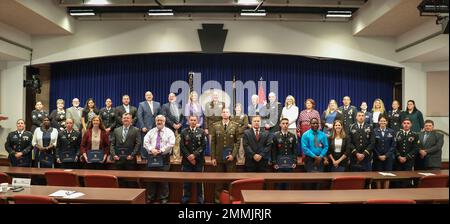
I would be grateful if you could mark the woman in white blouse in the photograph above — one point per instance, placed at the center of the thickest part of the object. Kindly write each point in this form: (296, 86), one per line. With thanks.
(290, 111)
(337, 148)
(45, 139)
(377, 111)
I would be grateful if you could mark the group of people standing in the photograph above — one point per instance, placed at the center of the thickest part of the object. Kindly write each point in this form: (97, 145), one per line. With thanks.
(269, 137)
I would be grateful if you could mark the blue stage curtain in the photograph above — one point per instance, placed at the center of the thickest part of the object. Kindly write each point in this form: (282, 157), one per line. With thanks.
(302, 77)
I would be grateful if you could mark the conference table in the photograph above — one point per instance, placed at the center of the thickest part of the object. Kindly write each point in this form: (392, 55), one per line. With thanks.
(91, 194)
(420, 195)
(217, 177)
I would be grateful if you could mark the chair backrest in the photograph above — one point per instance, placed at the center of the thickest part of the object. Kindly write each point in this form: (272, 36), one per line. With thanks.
(33, 199)
(101, 180)
(244, 184)
(61, 178)
(434, 181)
(390, 201)
(348, 183)
(5, 178)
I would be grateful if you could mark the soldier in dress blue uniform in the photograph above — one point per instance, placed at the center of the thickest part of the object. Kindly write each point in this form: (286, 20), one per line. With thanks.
(68, 146)
(361, 143)
(406, 150)
(18, 145)
(192, 146)
(348, 112)
(284, 145)
(383, 152)
(395, 117)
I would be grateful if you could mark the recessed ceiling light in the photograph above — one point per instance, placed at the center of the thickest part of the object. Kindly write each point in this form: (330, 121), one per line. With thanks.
(251, 12)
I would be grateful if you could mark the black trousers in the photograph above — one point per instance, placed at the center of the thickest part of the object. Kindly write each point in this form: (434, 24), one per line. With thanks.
(124, 164)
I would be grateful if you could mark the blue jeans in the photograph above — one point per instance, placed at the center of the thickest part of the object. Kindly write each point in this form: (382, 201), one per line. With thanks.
(187, 187)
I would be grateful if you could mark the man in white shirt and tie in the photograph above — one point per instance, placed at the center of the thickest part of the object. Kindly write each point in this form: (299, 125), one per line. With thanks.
(159, 141)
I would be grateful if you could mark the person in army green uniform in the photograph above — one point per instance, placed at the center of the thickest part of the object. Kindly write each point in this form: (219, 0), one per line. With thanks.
(348, 112)
(284, 146)
(213, 111)
(108, 116)
(67, 149)
(18, 145)
(361, 144)
(272, 113)
(242, 119)
(192, 146)
(224, 147)
(407, 147)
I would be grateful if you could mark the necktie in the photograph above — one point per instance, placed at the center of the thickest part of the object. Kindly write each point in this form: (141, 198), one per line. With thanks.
(158, 140)
(316, 140)
(257, 134)
(225, 127)
(150, 106)
(20, 134)
(382, 132)
(174, 110)
(124, 136)
(425, 137)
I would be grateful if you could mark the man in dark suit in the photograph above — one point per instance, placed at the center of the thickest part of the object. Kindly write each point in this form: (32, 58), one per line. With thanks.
(146, 114)
(125, 108)
(174, 121)
(257, 146)
(173, 113)
(125, 144)
(430, 147)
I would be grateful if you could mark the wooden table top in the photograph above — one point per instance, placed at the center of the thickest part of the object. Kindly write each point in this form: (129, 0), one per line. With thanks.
(343, 196)
(220, 177)
(92, 195)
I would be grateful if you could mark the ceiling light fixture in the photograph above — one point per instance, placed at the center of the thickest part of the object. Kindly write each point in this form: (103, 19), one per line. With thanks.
(247, 2)
(251, 12)
(82, 12)
(160, 12)
(339, 14)
(97, 2)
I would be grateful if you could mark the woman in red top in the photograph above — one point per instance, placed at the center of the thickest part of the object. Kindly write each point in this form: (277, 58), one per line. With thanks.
(305, 116)
(95, 138)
